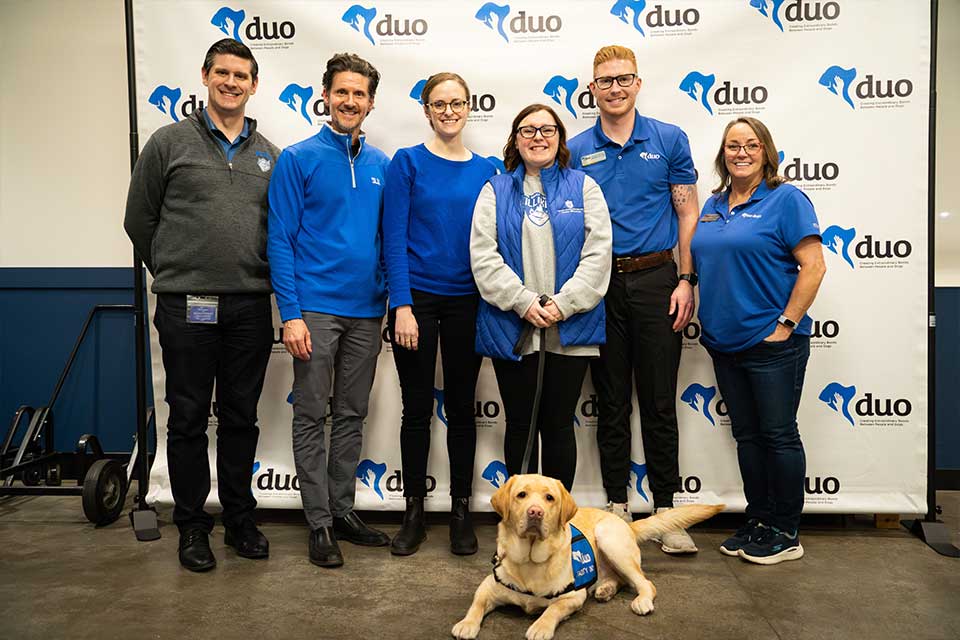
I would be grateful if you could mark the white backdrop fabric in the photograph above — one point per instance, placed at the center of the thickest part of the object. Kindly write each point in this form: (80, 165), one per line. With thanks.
(843, 86)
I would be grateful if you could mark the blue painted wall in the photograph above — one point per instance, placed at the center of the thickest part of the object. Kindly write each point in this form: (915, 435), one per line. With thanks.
(948, 373)
(41, 314)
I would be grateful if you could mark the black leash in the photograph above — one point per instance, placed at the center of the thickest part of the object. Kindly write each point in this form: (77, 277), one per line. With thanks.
(518, 349)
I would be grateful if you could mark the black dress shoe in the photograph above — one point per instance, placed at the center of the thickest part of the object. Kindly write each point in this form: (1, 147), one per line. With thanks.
(412, 531)
(324, 550)
(195, 553)
(463, 540)
(351, 528)
(247, 540)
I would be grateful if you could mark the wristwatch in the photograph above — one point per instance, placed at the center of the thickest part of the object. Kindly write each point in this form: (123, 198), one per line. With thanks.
(787, 322)
(691, 278)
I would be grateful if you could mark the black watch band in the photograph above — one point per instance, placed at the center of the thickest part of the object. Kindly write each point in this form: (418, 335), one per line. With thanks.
(691, 278)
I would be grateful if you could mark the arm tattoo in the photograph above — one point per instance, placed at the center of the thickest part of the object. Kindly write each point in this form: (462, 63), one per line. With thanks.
(681, 193)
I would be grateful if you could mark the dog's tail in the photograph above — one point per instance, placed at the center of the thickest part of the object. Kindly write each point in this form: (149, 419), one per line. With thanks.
(672, 519)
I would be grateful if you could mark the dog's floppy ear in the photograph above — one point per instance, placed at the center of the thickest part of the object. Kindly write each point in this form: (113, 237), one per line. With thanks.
(568, 506)
(501, 498)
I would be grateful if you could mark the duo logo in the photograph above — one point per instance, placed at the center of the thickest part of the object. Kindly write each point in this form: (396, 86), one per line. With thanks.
(438, 396)
(699, 398)
(371, 473)
(838, 240)
(357, 17)
(297, 98)
(797, 10)
(622, 9)
(640, 472)
(562, 90)
(165, 99)
(697, 86)
(495, 473)
(417, 90)
(838, 81)
(229, 20)
(256, 466)
(491, 12)
(773, 12)
(838, 397)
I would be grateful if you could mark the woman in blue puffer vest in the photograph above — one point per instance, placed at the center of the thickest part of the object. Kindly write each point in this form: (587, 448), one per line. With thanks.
(540, 229)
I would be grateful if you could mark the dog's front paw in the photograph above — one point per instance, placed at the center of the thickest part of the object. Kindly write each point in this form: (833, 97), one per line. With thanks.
(606, 589)
(540, 630)
(641, 605)
(466, 629)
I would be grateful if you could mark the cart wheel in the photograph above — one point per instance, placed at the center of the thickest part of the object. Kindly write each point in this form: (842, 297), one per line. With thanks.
(54, 477)
(31, 476)
(104, 489)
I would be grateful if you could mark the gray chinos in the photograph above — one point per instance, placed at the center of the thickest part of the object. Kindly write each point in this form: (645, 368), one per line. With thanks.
(344, 356)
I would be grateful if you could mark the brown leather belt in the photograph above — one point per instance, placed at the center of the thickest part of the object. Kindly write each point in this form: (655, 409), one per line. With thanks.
(627, 264)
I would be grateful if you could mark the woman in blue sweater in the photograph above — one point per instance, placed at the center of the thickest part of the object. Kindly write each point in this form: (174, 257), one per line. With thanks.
(428, 204)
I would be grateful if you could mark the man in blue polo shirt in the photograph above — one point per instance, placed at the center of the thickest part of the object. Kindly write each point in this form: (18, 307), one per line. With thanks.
(646, 172)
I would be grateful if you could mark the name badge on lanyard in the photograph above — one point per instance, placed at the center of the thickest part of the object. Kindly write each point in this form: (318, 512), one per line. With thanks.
(202, 309)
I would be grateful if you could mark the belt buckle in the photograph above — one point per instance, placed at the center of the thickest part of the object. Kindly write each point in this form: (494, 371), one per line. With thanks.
(621, 262)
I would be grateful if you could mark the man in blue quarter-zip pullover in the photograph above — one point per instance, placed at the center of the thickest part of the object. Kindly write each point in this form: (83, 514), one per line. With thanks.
(325, 263)
(197, 216)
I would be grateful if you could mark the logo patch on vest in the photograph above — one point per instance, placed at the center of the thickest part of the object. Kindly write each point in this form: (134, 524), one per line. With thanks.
(582, 560)
(264, 161)
(569, 208)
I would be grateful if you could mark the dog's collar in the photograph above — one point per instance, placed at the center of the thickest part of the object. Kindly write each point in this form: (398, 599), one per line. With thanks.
(582, 561)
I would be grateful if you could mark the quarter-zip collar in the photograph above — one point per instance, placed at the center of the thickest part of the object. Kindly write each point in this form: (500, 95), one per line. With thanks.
(343, 141)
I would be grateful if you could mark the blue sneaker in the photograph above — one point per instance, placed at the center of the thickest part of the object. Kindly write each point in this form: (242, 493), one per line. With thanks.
(744, 535)
(772, 546)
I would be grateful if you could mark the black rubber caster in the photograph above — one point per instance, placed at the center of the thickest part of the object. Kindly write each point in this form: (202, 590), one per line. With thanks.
(31, 477)
(54, 477)
(104, 490)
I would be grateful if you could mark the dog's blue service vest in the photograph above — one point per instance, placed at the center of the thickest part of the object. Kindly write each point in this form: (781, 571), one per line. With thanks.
(582, 561)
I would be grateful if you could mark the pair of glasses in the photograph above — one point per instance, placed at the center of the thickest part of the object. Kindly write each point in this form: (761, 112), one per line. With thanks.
(624, 80)
(750, 147)
(439, 106)
(529, 131)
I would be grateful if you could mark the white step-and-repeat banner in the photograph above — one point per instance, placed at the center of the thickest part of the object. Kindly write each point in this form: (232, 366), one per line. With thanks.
(842, 84)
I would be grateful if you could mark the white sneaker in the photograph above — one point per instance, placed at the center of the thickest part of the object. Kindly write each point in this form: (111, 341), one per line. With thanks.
(619, 509)
(677, 541)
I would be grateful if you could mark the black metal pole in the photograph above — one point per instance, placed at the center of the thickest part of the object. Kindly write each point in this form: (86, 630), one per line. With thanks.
(143, 518)
(931, 277)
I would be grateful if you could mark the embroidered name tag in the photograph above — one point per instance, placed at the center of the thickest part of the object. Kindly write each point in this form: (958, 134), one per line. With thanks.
(593, 158)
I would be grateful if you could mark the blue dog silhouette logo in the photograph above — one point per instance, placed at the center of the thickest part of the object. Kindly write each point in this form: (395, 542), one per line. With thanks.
(621, 8)
(773, 12)
(297, 98)
(838, 397)
(699, 398)
(697, 86)
(357, 14)
(562, 90)
(165, 99)
(839, 240)
(640, 471)
(256, 466)
(227, 19)
(417, 90)
(838, 81)
(441, 413)
(495, 473)
(490, 11)
(371, 473)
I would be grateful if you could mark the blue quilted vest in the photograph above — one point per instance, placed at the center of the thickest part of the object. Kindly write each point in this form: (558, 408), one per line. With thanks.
(498, 330)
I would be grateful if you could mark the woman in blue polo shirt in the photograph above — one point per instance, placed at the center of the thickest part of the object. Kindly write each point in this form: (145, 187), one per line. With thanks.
(427, 206)
(758, 255)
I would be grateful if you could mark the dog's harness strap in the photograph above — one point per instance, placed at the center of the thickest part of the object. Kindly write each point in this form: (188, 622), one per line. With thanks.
(582, 561)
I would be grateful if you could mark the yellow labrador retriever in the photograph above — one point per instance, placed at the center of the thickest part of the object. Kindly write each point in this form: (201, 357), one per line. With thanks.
(542, 561)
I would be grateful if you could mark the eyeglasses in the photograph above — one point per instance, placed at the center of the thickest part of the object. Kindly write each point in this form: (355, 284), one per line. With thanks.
(624, 80)
(439, 106)
(529, 131)
(750, 147)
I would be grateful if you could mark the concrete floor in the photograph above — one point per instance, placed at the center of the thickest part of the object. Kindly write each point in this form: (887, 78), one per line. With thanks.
(62, 578)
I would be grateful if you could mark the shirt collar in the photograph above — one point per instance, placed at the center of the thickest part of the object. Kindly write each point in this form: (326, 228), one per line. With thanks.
(244, 133)
(761, 192)
(640, 133)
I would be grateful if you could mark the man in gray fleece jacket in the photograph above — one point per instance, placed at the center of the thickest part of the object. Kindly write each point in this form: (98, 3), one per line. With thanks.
(197, 216)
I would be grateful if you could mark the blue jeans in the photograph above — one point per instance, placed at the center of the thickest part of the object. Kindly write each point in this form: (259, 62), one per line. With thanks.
(761, 387)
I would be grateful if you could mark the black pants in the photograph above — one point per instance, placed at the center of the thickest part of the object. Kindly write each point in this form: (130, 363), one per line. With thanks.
(452, 320)
(562, 379)
(234, 352)
(640, 342)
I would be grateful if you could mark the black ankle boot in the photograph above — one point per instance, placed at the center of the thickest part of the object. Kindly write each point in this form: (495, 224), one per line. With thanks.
(463, 541)
(412, 531)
